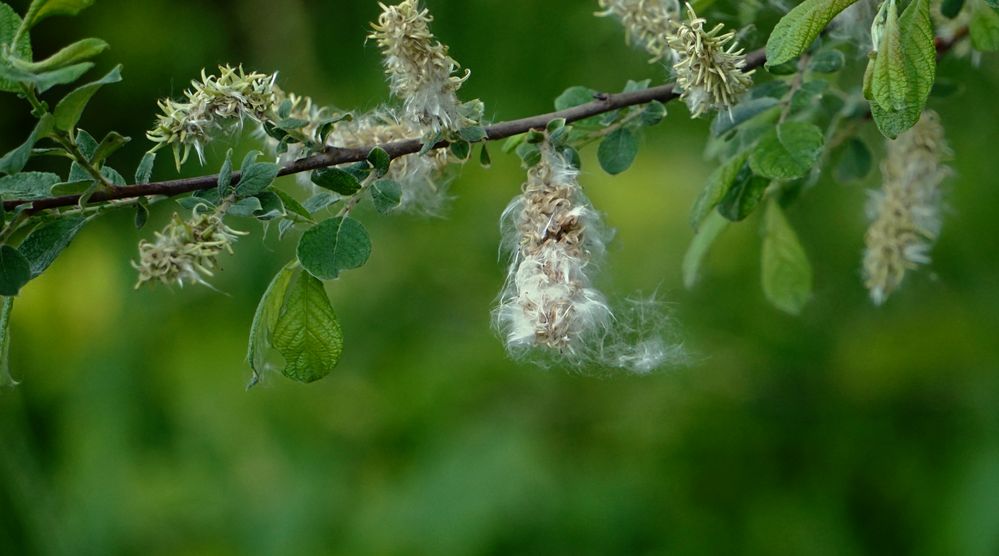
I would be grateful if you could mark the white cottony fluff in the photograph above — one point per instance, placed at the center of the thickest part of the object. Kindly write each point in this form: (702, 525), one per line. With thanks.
(549, 310)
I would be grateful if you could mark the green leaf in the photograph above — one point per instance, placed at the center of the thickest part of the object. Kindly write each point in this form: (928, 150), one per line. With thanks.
(15, 161)
(386, 195)
(618, 151)
(6, 306)
(141, 213)
(787, 274)
(15, 270)
(743, 196)
(271, 206)
(796, 31)
(984, 27)
(256, 178)
(264, 319)
(379, 160)
(10, 22)
(719, 183)
(67, 113)
(853, 161)
(827, 61)
(950, 8)
(28, 185)
(224, 181)
(79, 51)
(705, 237)
(47, 241)
(307, 333)
(484, 159)
(144, 172)
(246, 207)
(653, 113)
(727, 120)
(63, 76)
(111, 143)
(461, 149)
(41, 9)
(788, 151)
(529, 153)
(336, 179)
(333, 246)
(293, 205)
(574, 96)
(901, 74)
(473, 134)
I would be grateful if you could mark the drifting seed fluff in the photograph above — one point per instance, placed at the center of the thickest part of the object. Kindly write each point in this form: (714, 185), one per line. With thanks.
(854, 24)
(424, 178)
(646, 22)
(709, 70)
(549, 311)
(185, 252)
(211, 105)
(905, 213)
(420, 71)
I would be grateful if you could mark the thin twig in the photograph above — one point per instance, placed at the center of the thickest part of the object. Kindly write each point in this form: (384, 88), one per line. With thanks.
(334, 156)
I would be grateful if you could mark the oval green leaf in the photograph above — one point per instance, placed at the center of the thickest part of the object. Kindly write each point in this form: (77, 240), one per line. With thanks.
(332, 246)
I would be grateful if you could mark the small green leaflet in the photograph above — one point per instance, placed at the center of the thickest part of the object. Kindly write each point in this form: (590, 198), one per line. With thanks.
(254, 177)
(727, 120)
(144, 172)
(79, 51)
(47, 241)
(224, 181)
(386, 195)
(6, 305)
(706, 235)
(719, 183)
(67, 113)
(268, 311)
(379, 160)
(618, 151)
(853, 161)
(307, 333)
(10, 22)
(332, 246)
(337, 180)
(787, 274)
(15, 270)
(788, 151)
(984, 27)
(15, 161)
(28, 185)
(41, 9)
(796, 31)
(900, 76)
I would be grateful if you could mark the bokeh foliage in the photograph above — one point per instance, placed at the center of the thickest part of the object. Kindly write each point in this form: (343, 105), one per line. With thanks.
(847, 430)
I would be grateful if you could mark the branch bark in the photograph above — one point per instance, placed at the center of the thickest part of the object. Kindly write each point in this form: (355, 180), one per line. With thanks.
(333, 156)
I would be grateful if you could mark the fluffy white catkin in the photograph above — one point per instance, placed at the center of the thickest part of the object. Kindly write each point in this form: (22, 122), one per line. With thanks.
(549, 310)
(905, 213)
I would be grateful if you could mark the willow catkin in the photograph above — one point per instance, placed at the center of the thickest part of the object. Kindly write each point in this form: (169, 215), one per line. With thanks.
(905, 212)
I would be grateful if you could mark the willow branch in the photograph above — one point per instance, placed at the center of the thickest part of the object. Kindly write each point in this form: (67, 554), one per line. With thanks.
(333, 156)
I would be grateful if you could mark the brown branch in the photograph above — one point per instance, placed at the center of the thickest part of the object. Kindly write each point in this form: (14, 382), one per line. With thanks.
(333, 156)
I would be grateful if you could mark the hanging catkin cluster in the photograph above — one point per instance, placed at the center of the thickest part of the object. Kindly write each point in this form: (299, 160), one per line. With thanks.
(212, 104)
(420, 71)
(905, 213)
(549, 309)
(186, 251)
(709, 65)
(647, 22)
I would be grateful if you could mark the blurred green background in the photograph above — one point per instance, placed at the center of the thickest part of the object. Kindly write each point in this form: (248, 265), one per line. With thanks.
(849, 430)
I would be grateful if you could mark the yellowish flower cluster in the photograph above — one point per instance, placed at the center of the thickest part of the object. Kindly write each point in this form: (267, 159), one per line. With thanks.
(647, 22)
(709, 66)
(905, 213)
(420, 71)
(185, 251)
(210, 106)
